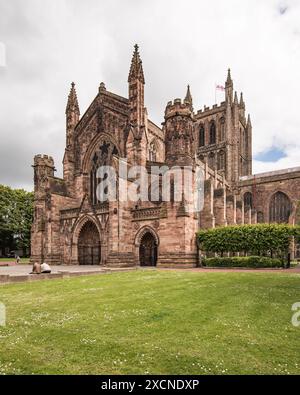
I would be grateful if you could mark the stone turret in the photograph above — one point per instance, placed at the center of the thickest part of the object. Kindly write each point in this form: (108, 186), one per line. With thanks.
(178, 126)
(43, 169)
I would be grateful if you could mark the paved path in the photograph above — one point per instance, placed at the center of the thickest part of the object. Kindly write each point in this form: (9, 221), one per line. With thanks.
(21, 270)
(295, 270)
(20, 273)
(26, 269)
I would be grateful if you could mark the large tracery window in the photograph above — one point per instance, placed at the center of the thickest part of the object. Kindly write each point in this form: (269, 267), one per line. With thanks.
(260, 217)
(201, 136)
(152, 152)
(221, 160)
(102, 157)
(248, 201)
(212, 133)
(222, 129)
(280, 208)
(211, 160)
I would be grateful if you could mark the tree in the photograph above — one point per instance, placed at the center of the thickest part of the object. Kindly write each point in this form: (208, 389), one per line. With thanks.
(16, 216)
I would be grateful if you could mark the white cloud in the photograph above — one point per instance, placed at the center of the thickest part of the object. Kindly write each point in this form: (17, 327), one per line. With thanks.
(49, 43)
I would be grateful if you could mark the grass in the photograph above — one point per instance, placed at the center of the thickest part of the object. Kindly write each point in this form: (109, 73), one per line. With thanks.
(22, 260)
(157, 322)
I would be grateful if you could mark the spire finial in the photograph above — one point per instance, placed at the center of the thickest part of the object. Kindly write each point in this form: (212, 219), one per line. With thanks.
(242, 103)
(236, 101)
(188, 96)
(72, 104)
(229, 79)
(249, 121)
(136, 68)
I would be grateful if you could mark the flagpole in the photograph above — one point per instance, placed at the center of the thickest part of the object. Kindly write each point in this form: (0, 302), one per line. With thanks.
(215, 93)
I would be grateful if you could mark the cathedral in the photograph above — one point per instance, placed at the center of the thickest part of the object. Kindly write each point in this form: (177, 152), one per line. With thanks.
(71, 225)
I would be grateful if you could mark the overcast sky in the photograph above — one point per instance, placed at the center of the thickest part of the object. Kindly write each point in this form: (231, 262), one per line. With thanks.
(46, 44)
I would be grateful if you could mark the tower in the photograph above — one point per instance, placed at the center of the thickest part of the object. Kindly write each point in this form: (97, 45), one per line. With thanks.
(238, 134)
(43, 171)
(179, 132)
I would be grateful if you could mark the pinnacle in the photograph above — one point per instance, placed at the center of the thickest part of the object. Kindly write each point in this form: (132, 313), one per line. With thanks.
(242, 103)
(72, 104)
(229, 79)
(136, 68)
(188, 96)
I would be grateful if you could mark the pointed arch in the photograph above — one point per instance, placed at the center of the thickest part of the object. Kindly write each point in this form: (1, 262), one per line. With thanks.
(221, 160)
(77, 244)
(211, 160)
(212, 133)
(78, 225)
(147, 243)
(248, 201)
(152, 151)
(201, 136)
(280, 208)
(94, 147)
(145, 229)
(222, 129)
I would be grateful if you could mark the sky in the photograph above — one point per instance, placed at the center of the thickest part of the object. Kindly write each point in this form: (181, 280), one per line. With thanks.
(47, 44)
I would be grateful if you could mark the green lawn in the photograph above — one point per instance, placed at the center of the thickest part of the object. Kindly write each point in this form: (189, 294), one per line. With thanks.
(160, 322)
(22, 260)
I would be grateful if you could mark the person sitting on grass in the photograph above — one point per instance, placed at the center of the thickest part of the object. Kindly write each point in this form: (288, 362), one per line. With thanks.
(36, 268)
(45, 268)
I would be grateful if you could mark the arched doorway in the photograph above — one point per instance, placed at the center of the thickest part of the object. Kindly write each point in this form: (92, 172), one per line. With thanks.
(148, 250)
(89, 249)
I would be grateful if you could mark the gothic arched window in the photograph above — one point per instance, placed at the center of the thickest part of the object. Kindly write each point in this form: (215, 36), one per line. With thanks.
(212, 133)
(211, 160)
(152, 152)
(102, 157)
(221, 160)
(260, 217)
(248, 203)
(280, 208)
(201, 136)
(222, 129)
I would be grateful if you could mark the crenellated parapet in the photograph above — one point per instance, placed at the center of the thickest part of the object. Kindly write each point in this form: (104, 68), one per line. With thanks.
(44, 160)
(178, 108)
(43, 169)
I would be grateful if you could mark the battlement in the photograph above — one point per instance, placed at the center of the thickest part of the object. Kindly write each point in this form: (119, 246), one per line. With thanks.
(211, 110)
(177, 107)
(43, 160)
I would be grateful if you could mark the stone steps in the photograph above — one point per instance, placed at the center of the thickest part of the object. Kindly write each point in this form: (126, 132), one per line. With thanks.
(121, 260)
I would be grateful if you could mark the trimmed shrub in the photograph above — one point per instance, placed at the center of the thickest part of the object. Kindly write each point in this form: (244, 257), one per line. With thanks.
(254, 239)
(247, 261)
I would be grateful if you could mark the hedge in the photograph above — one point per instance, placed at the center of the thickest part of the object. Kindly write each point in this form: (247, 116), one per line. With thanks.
(247, 261)
(255, 239)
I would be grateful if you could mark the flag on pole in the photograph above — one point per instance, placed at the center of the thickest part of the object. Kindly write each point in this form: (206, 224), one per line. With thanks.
(220, 88)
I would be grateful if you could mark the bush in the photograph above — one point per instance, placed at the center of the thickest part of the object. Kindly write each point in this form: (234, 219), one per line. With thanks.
(247, 261)
(254, 239)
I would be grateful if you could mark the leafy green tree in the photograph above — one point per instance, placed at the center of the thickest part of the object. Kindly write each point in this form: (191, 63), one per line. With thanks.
(16, 216)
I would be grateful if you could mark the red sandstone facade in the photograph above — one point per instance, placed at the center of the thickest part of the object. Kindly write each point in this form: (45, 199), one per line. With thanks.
(72, 227)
